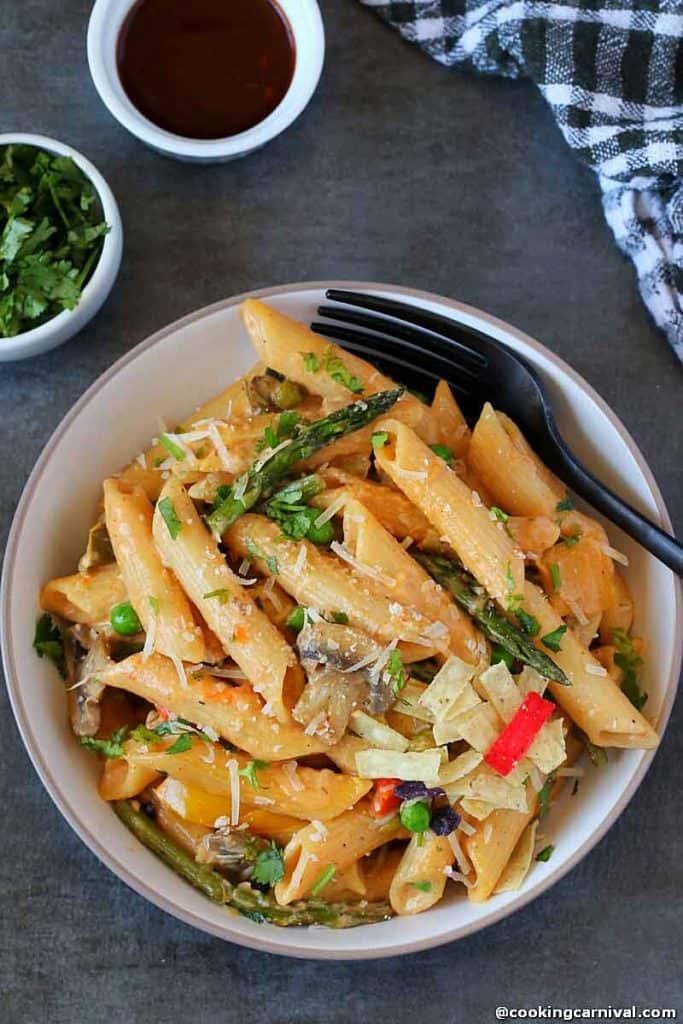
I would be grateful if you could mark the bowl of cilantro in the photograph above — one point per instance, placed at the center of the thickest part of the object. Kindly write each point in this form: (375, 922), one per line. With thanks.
(60, 243)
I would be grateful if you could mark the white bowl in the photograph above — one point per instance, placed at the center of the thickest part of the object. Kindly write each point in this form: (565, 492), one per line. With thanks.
(207, 350)
(104, 27)
(67, 323)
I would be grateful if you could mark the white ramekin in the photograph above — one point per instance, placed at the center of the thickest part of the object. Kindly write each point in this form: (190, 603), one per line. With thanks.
(103, 31)
(67, 323)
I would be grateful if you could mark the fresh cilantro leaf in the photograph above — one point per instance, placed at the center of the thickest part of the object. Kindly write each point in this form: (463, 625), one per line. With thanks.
(529, 623)
(109, 748)
(422, 886)
(144, 735)
(341, 618)
(222, 595)
(396, 672)
(498, 514)
(546, 853)
(183, 743)
(311, 361)
(339, 371)
(514, 600)
(597, 755)
(628, 661)
(553, 640)
(170, 517)
(296, 619)
(379, 438)
(255, 552)
(287, 424)
(47, 643)
(570, 539)
(565, 505)
(444, 452)
(269, 866)
(153, 603)
(249, 771)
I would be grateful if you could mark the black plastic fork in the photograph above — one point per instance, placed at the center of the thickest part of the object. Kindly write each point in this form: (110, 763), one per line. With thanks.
(420, 347)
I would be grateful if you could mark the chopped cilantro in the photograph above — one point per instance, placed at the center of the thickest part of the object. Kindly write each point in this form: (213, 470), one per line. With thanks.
(172, 448)
(249, 772)
(546, 853)
(269, 866)
(311, 361)
(529, 623)
(323, 879)
(51, 236)
(628, 661)
(544, 795)
(109, 748)
(422, 886)
(183, 743)
(222, 595)
(598, 755)
(153, 603)
(499, 653)
(565, 505)
(553, 640)
(255, 551)
(379, 438)
(169, 516)
(556, 576)
(514, 600)
(296, 619)
(341, 618)
(570, 539)
(47, 643)
(498, 513)
(396, 671)
(339, 371)
(444, 452)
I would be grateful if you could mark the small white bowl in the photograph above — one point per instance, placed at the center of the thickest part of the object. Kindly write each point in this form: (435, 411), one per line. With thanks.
(67, 323)
(207, 350)
(306, 25)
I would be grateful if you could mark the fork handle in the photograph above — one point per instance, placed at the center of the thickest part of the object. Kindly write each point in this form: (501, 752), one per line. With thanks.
(655, 540)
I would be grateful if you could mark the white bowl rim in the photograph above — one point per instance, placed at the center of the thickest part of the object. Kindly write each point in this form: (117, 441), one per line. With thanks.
(111, 248)
(139, 884)
(306, 78)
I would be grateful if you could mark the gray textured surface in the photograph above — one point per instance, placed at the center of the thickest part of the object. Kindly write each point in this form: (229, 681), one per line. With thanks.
(399, 171)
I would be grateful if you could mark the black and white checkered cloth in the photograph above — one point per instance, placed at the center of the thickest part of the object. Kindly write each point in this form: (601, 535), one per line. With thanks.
(612, 71)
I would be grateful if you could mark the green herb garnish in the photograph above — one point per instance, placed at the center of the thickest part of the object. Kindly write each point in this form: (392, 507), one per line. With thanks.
(379, 439)
(396, 671)
(499, 653)
(169, 516)
(544, 795)
(222, 595)
(255, 552)
(311, 361)
(108, 748)
(269, 866)
(172, 447)
(514, 600)
(546, 853)
(556, 576)
(47, 643)
(628, 661)
(183, 743)
(529, 623)
(296, 619)
(341, 618)
(565, 505)
(51, 235)
(553, 640)
(571, 539)
(444, 452)
(422, 886)
(498, 514)
(323, 879)
(339, 371)
(154, 604)
(249, 771)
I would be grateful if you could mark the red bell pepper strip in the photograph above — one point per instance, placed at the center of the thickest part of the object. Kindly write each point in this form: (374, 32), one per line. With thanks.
(384, 800)
(520, 732)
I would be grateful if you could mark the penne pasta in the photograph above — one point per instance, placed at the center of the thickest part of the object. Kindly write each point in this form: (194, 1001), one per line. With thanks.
(85, 597)
(421, 877)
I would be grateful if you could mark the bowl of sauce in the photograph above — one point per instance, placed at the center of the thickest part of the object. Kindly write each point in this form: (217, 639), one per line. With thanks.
(206, 80)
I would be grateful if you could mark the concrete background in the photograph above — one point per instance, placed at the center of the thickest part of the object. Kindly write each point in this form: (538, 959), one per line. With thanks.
(399, 171)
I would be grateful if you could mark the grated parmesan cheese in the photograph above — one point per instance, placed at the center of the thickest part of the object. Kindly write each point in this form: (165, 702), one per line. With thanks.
(616, 556)
(209, 758)
(595, 670)
(366, 570)
(270, 452)
(221, 450)
(301, 557)
(150, 637)
(244, 567)
(233, 770)
(459, 854)
(330, 512)
(410, 474)
(290, 770)
(466, 828)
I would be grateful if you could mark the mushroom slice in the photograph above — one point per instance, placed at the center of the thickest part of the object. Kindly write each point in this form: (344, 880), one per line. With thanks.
(86, 653)
(327, 701)
(232, 851)
(348, 651)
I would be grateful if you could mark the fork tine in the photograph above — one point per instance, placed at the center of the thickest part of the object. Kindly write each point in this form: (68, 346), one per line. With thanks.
(461, 355)
(431, 368)
(472, 340)
(412, 341)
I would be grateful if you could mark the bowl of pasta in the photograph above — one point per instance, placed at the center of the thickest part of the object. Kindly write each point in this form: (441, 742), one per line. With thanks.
(325, 668)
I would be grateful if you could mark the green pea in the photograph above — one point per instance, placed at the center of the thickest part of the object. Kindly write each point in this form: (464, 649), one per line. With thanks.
(323, 534)
(296, 619)
(124, 619)
(499, 653)
(415, 815)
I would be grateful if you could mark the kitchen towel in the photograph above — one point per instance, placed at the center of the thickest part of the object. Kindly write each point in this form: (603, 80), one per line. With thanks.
(612, 71)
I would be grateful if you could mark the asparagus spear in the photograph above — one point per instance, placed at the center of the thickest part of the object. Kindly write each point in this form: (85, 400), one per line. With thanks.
(467, 592)
(260, 480)
(255, 905)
